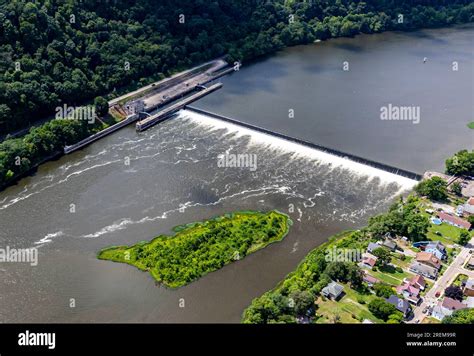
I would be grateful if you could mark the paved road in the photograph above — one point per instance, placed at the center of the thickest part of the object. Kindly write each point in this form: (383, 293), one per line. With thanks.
(215, 65)
(455, 268)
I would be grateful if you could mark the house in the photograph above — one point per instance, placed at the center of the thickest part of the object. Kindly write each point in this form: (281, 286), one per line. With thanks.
(437, 249)
(428, 259)
(469, 206)
(469, 288)
(400, 303)
(424, 270)
(332, 291)
(370, 280)
(417, 282)
(372, 246)
(391, 245)
(412, 294)
(446, 308)
(469, 302)
(454, 220)
(368, 261)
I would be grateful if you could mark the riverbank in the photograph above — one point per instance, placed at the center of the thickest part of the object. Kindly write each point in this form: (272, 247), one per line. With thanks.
(11, 149)
(370, 266)
(202, 247)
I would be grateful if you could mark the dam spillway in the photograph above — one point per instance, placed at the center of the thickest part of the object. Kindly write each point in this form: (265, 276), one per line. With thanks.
(368, 162)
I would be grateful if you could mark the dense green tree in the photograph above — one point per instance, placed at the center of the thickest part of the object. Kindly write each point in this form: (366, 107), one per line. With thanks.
(303, 301)
(101, 106)
(456, 188)
(383, 256)
(395, 318)
(434, 188)
(462, 316)
(383, 290)
(381, 308)
(403, 219)
(344, 272)
(461, 163)
(454, 292)
(471, 219)
(464, 237)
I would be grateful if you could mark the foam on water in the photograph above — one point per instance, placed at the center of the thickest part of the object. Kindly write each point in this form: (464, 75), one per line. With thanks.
(260, 138)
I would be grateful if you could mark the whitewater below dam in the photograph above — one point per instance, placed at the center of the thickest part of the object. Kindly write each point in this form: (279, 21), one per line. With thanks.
(130, 187)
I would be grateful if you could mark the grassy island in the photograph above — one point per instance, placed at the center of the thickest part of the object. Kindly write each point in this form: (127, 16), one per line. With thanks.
(202, 247)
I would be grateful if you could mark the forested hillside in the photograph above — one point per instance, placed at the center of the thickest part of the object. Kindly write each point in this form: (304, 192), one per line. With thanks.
(63, 51)
(68, 52)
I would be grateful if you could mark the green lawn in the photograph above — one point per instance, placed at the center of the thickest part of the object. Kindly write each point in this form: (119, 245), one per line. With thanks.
(471, 125)
(459, 279)
(449, 233)
(402, 263)
(390, 275)
(348, 309)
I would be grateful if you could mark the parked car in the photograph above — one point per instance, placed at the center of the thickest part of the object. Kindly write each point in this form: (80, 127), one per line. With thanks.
(438, 293)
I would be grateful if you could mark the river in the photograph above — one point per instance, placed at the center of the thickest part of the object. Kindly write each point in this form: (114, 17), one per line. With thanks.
(130, 187)
(341, 109)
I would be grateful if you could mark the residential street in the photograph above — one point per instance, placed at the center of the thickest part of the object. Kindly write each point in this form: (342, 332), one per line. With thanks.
(455, 268)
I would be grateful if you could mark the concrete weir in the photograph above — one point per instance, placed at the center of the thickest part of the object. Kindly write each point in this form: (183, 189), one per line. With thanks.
(365, 161)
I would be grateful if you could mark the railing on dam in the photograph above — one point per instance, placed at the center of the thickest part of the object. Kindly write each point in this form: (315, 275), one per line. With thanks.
(365, 161)
(166, 113)
(100, 134)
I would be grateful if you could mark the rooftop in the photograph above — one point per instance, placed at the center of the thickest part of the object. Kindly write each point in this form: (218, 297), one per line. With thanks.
(454, 220)
(427, 257)
(452, 304)
(417, 280)
(333, 288)
(399, 303)
(421, 267)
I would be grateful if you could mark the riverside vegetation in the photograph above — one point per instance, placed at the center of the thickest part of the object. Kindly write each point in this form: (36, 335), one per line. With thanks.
(64, 51)
(299, 294)
(303, 286)
(202, 247)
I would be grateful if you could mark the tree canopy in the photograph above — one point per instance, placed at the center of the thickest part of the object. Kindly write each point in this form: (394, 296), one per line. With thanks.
(66, 51)
(434, 188)
(461, 163)
(462, 316)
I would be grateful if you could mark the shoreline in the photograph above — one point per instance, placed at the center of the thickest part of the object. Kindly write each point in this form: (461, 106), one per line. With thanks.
(183, 229)
(17, 178)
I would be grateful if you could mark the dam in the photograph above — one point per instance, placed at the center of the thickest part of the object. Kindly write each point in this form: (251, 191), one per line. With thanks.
(332, 151)
(173, 177)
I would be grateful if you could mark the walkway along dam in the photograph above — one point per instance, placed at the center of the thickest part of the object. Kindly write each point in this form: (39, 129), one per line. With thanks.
(365, 161)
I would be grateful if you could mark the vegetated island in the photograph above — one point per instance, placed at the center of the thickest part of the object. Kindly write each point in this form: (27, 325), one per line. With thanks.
(202, 247)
